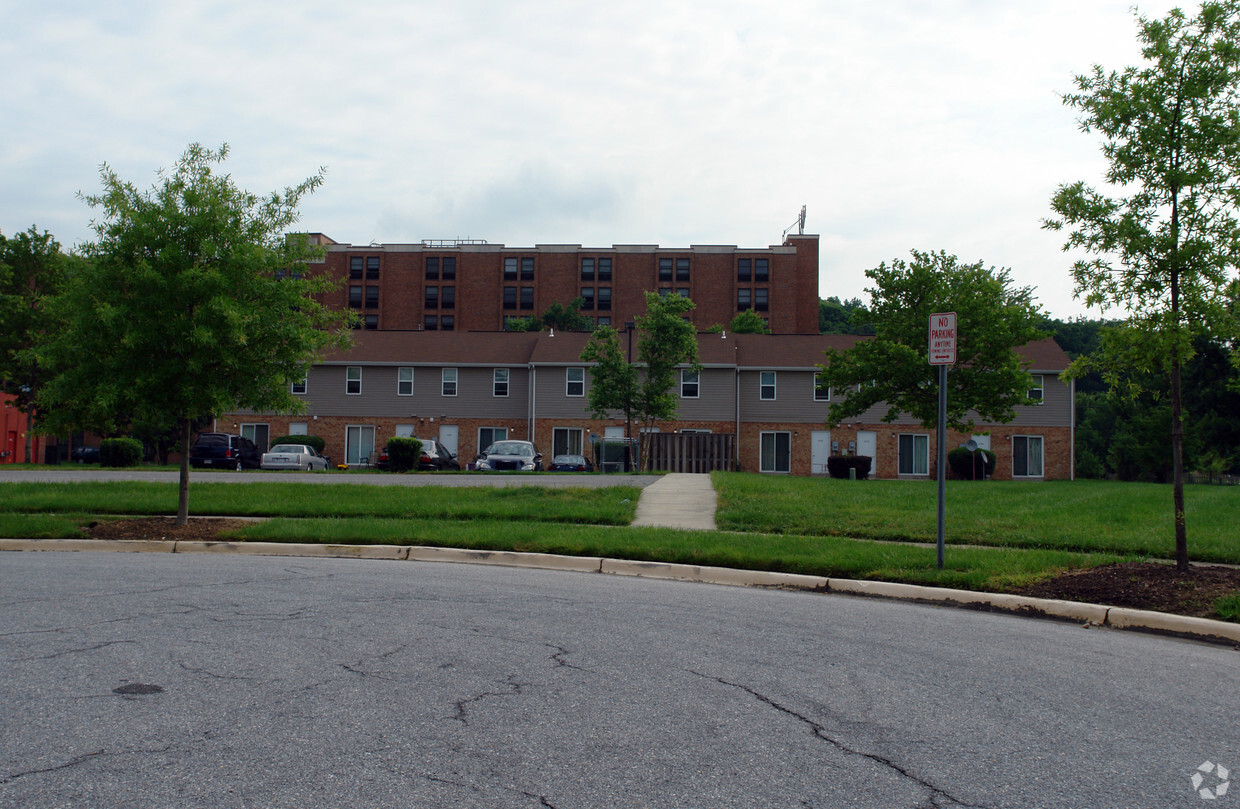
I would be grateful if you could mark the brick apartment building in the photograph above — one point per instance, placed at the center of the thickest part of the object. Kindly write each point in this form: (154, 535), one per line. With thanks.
(474, 286)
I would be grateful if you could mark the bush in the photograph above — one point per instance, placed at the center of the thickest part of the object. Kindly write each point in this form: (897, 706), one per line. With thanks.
(120, 452)
(308, 440)
(403, 453)
(838, 466)
(965, 465)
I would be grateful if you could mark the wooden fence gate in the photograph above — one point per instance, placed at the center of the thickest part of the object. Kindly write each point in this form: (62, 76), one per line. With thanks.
(691, 452)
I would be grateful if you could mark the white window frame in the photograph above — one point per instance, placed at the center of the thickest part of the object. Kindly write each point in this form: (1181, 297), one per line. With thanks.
(922, 439)
(298, 428)
(303, 384)
(763, 385)
(690, 383)
(573, 439)
(770, 464)
(446, 378)
(1037, 389)
(818, 387)
(500, 379)
(574, 382)
(352, 380)
(402, 381)
(1041, 456)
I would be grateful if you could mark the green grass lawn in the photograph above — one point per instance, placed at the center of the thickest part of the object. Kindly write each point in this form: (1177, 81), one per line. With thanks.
(778, 523)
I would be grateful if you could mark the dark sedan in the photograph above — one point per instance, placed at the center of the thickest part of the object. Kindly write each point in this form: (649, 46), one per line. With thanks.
(570, 463)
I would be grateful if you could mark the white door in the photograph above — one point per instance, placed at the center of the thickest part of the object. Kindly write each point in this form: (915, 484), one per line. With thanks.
(447, 436)
(820, 450)
(404, 431)
(867, 444)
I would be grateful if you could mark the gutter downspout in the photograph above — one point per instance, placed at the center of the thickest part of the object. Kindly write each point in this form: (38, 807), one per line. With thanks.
(1072, 430)
(531, 419)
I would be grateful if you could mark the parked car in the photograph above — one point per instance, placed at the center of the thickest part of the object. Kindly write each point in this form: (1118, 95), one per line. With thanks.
(84, 454)
(224, 451)
(511, 456)
(570, 463)
(294, 456)
(436, 457)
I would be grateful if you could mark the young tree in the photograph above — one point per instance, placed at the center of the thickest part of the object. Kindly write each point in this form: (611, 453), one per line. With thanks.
(32, 268)
(194, 302)
(993, 318)
(1164, 235)
(748, 322)
(613, 379)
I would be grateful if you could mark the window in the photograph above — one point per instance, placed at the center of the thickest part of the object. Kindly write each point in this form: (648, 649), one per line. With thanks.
(527, 269)
(510, 269)
(257, 434)
(432, 268)
(1026, 456)
(574, 382)
(766, 390)
(914, 450)
(527, 297)
(604, 299)
(761, 270)
(430, 322)
(355, 268)
(299, 386)
(447, 322)
(372, 268)
(665, 270)
(604, 269)
(744, 270)
(689, 381)
(682, 291)
(587, 298)
(359, 444)
(510, 297)
(489, 435)
(448, 382)
(682, 269)
(371, 322)
(744, 299)
(500, 382)
(566, 441)
(761, 299)
(449, 268)
(353, 380)
(355, 297)
(404, 381)
(604, 321)
(822, 393)
(447, 297)
(372, 297)
(1035, 390)
(587, 269)
(776, 452)
(298, 428)
(432, 298)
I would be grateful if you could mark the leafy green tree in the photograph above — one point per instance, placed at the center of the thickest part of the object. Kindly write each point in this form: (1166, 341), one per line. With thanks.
(749, 322)
(32, 267)
(187, 306)
(557, 316)
(1164, 233)
(666, 343)
(993, 318)
(835, 316)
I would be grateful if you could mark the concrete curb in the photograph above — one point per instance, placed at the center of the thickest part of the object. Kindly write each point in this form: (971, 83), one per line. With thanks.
(1085, 614)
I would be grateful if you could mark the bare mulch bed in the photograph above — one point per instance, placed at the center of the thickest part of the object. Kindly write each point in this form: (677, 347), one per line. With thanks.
(1140, 585)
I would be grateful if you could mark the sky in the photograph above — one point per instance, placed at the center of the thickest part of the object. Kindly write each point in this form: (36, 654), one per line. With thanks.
(900, 125)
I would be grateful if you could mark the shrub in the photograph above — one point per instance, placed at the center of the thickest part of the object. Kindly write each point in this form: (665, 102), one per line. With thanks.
(403, 453)
(838, 466)
(965, 465)
(308, 440)
(120, 452)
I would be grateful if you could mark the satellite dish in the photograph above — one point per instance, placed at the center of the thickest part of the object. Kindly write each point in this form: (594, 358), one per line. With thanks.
(970, 445)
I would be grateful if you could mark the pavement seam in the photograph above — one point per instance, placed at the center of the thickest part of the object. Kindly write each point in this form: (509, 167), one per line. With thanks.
(1203, 629)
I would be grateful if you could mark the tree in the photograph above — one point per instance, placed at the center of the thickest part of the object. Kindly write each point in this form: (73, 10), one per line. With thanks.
(32, 268)
(749, 322)
(993, 317)
(667, 342)
(835, 317)
(557, 316)
(1164, 234)
(194, 302)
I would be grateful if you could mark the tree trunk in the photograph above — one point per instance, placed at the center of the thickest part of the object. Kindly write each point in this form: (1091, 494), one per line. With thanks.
(1177, 464)
(183, 496)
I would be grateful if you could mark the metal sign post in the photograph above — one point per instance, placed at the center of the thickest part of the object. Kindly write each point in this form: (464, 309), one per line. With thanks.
(942, 353)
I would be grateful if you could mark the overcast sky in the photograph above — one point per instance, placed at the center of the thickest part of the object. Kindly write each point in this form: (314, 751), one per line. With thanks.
(901, 124)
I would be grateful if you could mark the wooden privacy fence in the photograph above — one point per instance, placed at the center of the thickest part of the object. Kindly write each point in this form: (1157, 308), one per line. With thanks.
(691, 452)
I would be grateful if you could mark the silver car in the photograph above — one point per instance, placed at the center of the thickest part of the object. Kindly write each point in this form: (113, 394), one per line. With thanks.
(293, 456)
(518, 456)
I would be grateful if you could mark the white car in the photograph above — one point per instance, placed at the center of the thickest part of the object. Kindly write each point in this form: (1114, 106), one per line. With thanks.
(293, 456)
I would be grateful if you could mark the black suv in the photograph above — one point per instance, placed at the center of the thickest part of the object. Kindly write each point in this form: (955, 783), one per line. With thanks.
(225, 451)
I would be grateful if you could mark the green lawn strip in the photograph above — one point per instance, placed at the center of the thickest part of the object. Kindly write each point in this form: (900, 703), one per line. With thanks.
(1084, 515)
(42, 526)
(605, 506)
(967, 568)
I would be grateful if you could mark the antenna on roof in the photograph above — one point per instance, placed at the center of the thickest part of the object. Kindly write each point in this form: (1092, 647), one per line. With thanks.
(799, 224)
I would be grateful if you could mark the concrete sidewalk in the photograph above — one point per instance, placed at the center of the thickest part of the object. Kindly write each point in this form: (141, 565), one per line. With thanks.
(678, 500)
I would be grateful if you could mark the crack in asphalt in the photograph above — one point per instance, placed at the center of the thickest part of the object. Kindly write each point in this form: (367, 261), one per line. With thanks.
(212, 674)
(357, 669)
(543, 800)
(461, 705)
(936, 793)
(54, 655)
(82, 759)
(558, 657)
